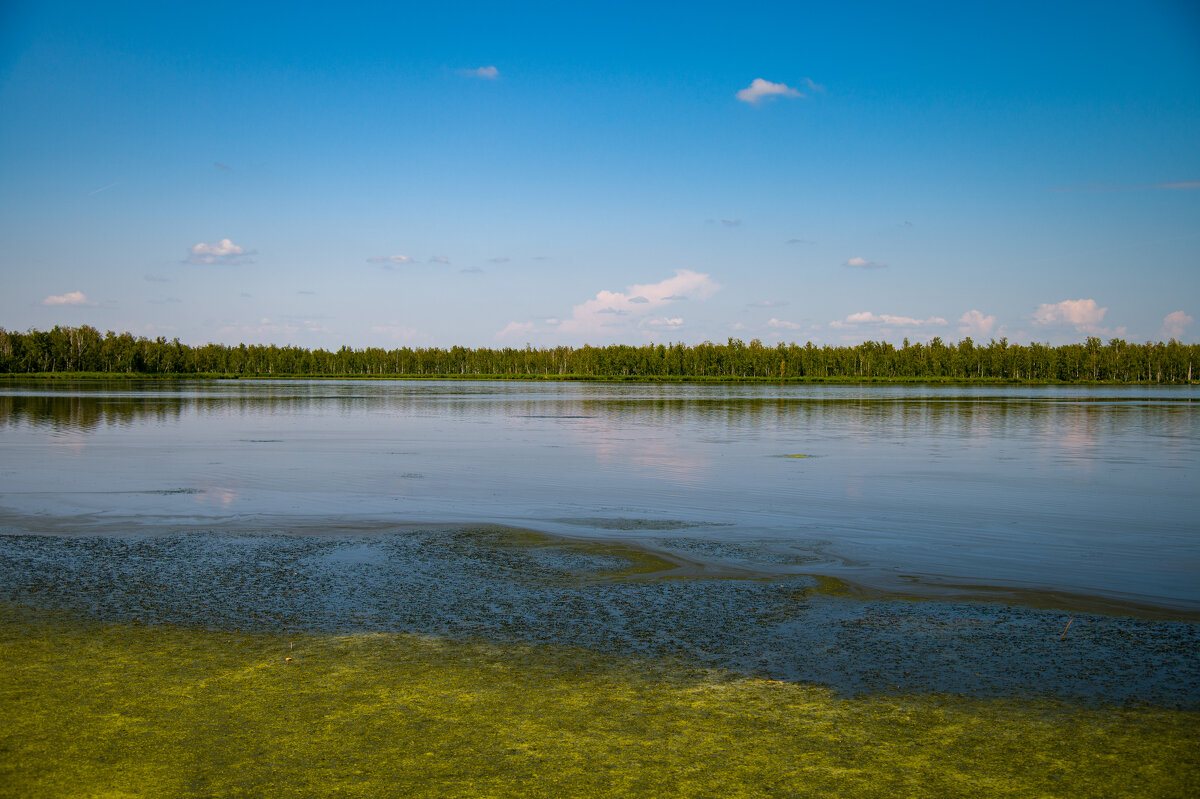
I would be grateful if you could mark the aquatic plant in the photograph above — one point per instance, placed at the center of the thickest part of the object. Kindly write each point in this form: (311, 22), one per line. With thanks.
(125, 710)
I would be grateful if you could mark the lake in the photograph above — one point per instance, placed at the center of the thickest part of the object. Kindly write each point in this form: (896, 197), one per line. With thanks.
(744, 527)
(1074, 489)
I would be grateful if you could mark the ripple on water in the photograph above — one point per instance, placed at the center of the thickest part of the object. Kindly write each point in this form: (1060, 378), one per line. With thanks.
(504, 585)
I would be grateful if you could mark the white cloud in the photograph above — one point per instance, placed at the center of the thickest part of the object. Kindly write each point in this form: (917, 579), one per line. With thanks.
(637, 311)
(223, 252)
(487, 73)
(70, 298)
(390, 259)
(863, 263)
(1174, 324)
(760, 90)
(515, 329)
(500, 259)
(438, 259)
(397, 332)
(780, 324)
(663, 322)
(1084, 315)
(272, 327)
(637, 301)
(974, 323)
(222, 247)
(884, 320)
(767, 304)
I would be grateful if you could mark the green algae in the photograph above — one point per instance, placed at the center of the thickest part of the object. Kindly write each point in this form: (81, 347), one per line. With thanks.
(593, 560)
(128, 710)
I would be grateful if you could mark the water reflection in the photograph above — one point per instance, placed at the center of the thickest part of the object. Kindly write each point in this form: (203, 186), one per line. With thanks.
(1087, 487)
(884, 412)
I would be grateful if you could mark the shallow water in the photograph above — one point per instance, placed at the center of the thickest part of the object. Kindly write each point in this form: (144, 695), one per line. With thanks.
(1067, 489)
(131, 710)
(507, 587)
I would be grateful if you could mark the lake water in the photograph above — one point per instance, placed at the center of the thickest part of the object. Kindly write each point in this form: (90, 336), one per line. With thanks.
(1077, 490)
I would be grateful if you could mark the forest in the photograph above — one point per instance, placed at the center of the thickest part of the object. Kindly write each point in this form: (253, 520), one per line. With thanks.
(85, 350)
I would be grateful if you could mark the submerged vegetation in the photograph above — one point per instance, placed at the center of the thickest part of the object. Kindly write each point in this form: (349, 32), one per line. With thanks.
(81, 350)
(89, 709)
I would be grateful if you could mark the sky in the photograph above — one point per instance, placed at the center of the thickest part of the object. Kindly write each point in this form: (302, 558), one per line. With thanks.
(496, 175)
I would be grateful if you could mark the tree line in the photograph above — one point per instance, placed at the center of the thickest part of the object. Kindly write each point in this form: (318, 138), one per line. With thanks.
(85, 349)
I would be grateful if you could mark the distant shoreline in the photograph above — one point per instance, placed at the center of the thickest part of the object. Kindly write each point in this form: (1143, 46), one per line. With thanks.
(568, 378)
(84, 351)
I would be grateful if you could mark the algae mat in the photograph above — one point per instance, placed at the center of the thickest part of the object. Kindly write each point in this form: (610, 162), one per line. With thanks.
(91, 709)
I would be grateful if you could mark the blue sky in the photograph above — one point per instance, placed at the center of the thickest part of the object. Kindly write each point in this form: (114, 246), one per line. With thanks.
(474, 174)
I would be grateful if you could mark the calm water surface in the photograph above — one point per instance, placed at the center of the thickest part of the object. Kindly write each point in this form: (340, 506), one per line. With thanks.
(1087, 490)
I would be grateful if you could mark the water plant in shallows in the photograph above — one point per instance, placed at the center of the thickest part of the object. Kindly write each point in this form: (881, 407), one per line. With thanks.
(108, 709)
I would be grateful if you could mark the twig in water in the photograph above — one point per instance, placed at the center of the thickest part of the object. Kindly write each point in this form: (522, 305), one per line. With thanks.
(1064, 635)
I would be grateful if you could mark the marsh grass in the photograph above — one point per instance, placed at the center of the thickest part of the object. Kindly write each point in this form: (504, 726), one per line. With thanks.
(124, 710)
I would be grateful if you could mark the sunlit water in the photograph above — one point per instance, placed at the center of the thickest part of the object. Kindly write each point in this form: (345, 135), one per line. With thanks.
(1075, 489)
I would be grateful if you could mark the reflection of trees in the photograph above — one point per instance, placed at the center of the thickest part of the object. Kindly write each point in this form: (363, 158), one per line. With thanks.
(901, 418)
(75, 412)
(85, 349)
(1073, 421)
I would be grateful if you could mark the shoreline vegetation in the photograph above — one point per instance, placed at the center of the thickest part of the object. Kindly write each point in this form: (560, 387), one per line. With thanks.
(85, 353)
